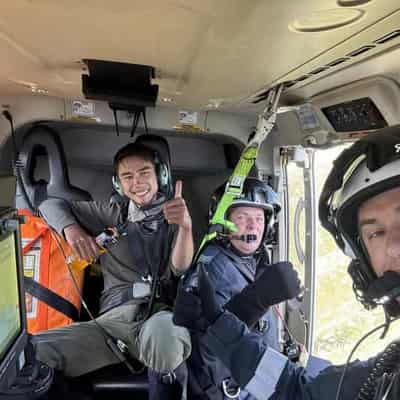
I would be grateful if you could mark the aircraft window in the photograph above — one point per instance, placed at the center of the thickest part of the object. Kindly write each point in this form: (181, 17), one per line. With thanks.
(299, 236)
(340, 320)
(296, 217)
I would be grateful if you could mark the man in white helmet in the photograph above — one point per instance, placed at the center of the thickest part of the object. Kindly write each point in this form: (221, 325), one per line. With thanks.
(360, 207)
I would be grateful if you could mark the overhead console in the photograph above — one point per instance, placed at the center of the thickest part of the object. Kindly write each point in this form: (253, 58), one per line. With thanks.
(348, 112)
(364, 105)
(354, 116)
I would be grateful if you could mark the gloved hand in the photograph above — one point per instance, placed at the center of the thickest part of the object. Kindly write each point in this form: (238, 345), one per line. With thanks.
(188, 311)
(279, 282)
(197, 308)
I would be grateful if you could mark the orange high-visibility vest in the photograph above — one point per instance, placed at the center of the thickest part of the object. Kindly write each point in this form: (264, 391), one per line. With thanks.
(45, 263)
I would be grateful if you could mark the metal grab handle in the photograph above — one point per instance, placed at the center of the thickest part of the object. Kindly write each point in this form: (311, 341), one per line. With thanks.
(297, 242)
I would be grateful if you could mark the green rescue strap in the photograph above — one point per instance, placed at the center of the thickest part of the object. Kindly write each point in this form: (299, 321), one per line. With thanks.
(265, 123)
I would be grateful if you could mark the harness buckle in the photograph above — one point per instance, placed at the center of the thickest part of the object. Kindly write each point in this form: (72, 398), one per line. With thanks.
(141, 290)
(122, 346)
(147, 278)
(262, 325)
(168, 378)
(230, 389)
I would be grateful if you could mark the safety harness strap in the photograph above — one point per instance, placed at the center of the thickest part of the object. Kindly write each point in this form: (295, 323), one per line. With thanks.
(234, 187)
(44, 294)
(51, 298)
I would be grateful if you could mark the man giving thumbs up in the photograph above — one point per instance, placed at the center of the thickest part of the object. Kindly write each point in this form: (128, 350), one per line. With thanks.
(157, 246)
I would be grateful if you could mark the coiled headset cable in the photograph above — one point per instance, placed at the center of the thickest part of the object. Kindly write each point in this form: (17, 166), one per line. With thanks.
(369, 386)
(386, 364)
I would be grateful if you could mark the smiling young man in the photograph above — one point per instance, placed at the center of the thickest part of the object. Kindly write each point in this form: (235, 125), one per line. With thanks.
(155, 244)
(360, 207)
(232, 263)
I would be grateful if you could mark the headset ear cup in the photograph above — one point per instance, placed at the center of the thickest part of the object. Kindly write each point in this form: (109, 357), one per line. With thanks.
(164, 179)
(270, 229)
(163, 175)
(361, 282)
(116, 185)
(159, 171)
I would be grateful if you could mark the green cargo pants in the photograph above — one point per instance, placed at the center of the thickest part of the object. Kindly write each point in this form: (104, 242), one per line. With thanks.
(81, 348)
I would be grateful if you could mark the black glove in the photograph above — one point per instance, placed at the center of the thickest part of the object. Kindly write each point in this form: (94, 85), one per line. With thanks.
(197, 308)
(279, 282)
(188, 311)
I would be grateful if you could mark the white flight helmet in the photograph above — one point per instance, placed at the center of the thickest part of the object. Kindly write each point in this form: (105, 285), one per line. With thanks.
(369, 167)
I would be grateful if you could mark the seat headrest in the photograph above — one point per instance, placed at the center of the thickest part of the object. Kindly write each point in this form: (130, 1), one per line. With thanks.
(39, 140)
(158, 144)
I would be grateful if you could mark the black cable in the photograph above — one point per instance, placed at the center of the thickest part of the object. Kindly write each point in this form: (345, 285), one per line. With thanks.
(275, 309)
(387, 324)
(385, 387)
(353, 351)
(385, 367)
(9, 118)
(382, 386)
(116, 121)
(136, 116)
(23, 190)
(15, 165)
(145, 121)
(117, 346)
(157, 278)
(205, 121)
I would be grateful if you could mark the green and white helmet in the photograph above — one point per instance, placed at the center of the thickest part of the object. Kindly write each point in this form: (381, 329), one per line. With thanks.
(256, 193)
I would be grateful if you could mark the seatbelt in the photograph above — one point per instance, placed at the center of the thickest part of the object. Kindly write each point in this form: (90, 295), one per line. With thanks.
(265, 123)
(51, 298)
(44, 294)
